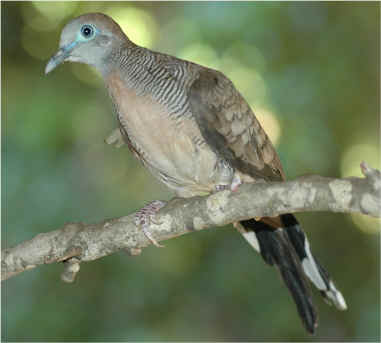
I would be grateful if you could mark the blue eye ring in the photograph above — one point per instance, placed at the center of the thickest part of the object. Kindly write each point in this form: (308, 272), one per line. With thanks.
(87, 31)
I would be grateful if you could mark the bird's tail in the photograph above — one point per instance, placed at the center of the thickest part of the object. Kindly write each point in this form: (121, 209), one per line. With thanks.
(281, 242)
(311, 266)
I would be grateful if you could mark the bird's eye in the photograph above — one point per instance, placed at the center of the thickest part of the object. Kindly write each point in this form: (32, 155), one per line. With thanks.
(87, 31)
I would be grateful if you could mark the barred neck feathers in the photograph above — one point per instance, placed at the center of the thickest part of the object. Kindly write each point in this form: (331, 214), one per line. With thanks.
(163, 78)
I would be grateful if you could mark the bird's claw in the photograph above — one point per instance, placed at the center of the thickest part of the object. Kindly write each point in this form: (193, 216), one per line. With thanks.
(236, 182)
(220, 188)
(146, 215)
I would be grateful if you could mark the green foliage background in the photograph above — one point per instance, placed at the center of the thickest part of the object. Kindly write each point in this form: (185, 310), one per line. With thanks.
(312, 68)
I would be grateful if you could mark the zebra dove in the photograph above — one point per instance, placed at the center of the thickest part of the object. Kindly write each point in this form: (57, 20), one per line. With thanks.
(194, 131)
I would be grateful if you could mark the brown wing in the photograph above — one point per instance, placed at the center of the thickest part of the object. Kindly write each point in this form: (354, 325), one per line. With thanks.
(230, 127)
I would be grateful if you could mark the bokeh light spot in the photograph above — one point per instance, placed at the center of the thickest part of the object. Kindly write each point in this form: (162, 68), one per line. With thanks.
(36, 21)
(138, 25)
(270, 124)
(365, 223)
(57, 10)
(201, 54)
(249, 83)
(352, 157)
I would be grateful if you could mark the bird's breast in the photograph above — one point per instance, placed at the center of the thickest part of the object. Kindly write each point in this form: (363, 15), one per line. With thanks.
(171, 149)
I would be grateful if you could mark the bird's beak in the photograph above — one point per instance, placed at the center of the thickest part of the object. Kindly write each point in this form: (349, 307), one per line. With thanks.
(59, 57)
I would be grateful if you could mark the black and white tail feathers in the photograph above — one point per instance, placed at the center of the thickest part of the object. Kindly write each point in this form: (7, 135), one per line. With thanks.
(286, 246)
(311, 266)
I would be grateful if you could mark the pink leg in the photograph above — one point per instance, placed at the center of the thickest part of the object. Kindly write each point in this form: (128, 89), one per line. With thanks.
(146, 215)
(235, 183)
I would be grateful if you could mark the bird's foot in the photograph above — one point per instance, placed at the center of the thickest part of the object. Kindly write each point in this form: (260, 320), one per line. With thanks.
(146, 215)
(235, 183)
(220, 188)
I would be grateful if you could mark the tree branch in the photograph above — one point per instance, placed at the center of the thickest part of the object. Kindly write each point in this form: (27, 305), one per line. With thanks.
(79, 242)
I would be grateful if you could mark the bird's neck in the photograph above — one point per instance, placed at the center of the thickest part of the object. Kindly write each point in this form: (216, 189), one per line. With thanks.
(131, 61)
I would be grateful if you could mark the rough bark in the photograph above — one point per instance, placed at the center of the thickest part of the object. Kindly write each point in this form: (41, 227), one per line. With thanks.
(78, 242)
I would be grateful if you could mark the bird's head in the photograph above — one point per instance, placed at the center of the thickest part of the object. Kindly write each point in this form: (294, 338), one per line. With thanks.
(89, 39)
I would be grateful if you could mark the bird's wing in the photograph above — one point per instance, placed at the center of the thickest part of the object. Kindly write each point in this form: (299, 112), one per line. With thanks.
(230, 127)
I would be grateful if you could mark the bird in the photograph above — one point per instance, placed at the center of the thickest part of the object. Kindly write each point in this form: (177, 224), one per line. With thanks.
(194, 131)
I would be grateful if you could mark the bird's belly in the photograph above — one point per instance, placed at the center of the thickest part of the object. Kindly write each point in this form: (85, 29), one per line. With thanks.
(170, 153)
(169, 148)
